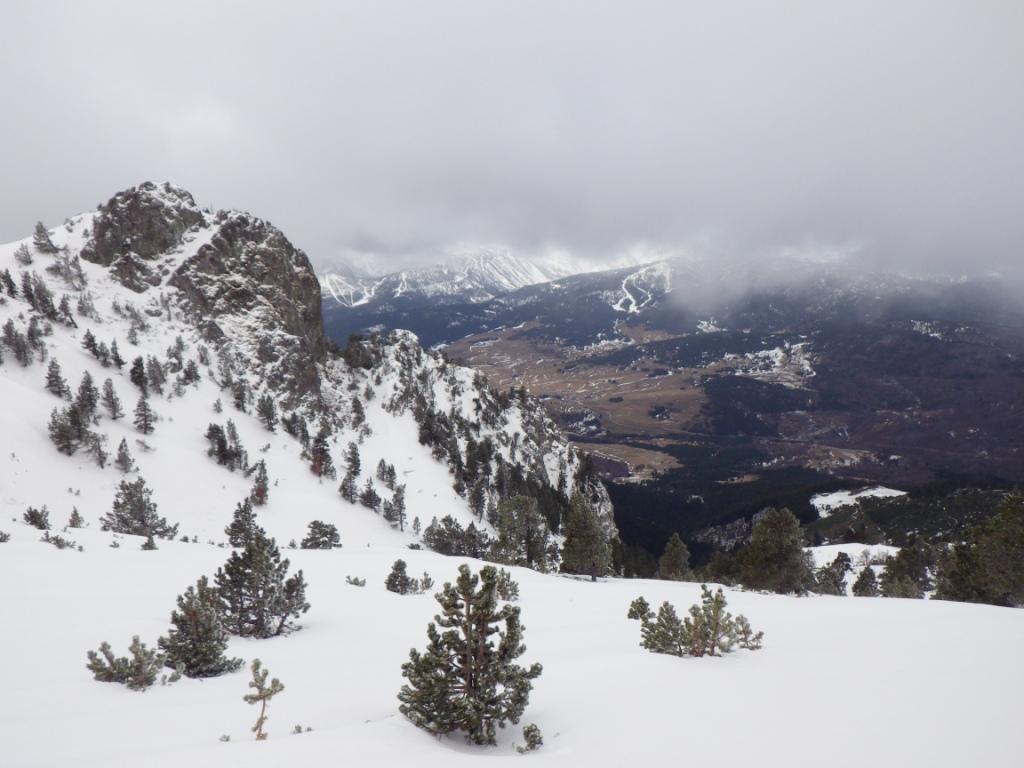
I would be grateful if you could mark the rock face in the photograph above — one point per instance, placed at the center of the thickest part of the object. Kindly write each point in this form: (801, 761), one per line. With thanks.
(249, 274)
(250, 291)
(136, 227)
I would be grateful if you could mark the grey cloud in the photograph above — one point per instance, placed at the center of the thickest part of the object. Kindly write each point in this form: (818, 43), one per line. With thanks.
(400, 128)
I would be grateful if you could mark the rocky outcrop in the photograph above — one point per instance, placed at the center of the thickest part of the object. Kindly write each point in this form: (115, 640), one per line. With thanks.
(250, 276)
(136, 227)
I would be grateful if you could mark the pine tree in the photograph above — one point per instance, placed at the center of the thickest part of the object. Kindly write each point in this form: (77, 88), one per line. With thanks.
(352, 462)
(89, 343)
(394, 510)
(263, 694)
(88, 397)
(832, 577)
(369, 497)
(37, 518)
(76, 520)
(464, 681)
(478, 499)
(663, 634)
(144, 416)
(866, 584)
(155, 375)
(321, 464)
(257, 597)
(775, 558)
(321, 535)
(674, 564)
(260, 484)
(55, 383)
(137, 375)
(8, 284)
(115, 355)
(267, 411)
(111, 401)
(135, 513)
(243, 527)
(124, 461)
(398, 580)
(197, 640)
(137, 672)
(523, 537)
(62, 432)
(586, 549)
(347, 489)
(640, 609)
(358, 414)
(41, 240)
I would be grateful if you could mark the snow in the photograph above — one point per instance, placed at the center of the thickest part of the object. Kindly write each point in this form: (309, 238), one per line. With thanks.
(827, 503)
(929, 683)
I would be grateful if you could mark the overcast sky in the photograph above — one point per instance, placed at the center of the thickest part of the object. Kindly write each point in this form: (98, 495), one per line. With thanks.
(402, 130)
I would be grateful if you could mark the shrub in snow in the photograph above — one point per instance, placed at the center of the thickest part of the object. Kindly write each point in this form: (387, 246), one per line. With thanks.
(59, 541)
(709, 629)
(38, 518)
(257, 597)
(467, 679)
(534, 739)
(426, 583)
(355, 581)
(263, 694)
(321, 536)
(640, 609)
(4, 537)
(138, 671)
(197, 640)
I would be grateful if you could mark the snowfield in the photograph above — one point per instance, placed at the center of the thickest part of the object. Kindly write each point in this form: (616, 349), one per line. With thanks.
(840, 681)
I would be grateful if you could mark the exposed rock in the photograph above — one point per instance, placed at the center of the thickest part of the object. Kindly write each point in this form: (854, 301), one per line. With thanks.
(250, 274)
(139, 225)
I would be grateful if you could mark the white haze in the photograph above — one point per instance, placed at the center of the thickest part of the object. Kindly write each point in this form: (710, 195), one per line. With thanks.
(397, 132)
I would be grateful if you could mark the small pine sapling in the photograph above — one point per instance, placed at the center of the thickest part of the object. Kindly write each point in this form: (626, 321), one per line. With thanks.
(533, 738)
(38, 518)
(866, 584)
(321, 535)
(398, 580)
(264, 693)
(76, 520)
(640, 610)
(138, 672)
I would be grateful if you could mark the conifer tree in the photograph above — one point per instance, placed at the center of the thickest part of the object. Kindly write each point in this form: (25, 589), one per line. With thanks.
(137, 375)
(665, 633)
(155, 375)
(263, 694)
(321, 464)
(89, 342)
(197, 640)
(467, 679)
(243, 528)
(523, 537)
(55, 383)
(257, 597)
(266, 410)
(775, 558)
(124, 461)
(321, 535)
(394, 510)
(866, 584)
(88, 397)
(586, 550)
(352, 462)
(674, 564)
(41, 240)
(369, 497)
(76, 520)
(111, 401)
(832, 577)
(260, 484)
(61, 430)
(144, 416)
(115, 355)
(639, 609)
(37, 518)
(8, 284)
(399, 581)
(347, 489)
(358, 414)
(135, 513)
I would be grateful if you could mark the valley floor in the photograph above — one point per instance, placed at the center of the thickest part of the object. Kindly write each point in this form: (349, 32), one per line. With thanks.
(839, 682)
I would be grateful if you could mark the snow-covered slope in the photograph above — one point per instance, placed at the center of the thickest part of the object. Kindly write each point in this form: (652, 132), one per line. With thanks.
(899, 668)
